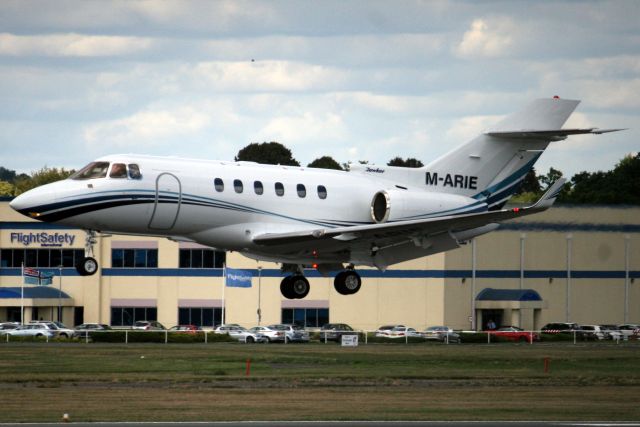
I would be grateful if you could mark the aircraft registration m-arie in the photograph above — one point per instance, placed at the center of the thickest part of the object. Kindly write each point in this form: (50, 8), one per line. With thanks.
(334, 220)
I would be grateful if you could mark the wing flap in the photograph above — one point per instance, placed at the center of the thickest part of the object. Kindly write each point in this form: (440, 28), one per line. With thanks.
(405, 229)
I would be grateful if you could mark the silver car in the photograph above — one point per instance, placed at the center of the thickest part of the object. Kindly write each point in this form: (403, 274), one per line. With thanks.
(273, 335)
(441, 333)
(247, 336)
(58, 328)
(293, 333)
(30, 330)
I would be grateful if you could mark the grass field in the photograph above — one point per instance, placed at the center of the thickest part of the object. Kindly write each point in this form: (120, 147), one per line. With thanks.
(197, 382)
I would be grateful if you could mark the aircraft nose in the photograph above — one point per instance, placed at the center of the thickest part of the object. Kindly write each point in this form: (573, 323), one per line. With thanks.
(32, 202)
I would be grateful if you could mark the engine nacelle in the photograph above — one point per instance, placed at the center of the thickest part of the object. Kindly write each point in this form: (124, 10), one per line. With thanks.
(401, 205)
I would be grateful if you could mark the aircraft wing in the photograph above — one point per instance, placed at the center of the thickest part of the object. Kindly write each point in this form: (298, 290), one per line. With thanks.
(422, 227)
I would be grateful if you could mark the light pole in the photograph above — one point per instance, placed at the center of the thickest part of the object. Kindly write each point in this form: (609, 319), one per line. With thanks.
(60, 293)
(259, 294)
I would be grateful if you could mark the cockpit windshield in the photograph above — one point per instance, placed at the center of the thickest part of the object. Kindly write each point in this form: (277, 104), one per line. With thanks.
(99, 170)
(91, 171)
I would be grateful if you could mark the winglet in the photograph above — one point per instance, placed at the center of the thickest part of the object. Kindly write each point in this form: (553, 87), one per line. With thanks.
(550, 196)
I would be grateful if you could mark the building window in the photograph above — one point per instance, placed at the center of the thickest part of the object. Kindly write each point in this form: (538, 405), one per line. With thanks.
(237, 185)
(201, 258)
(200, 316)
(302, 191)
(134, 258)
(279, 189)
(322, 192)
(219, 185)
(258, 188)
(127, 316)
(306, 317)
(53, 258)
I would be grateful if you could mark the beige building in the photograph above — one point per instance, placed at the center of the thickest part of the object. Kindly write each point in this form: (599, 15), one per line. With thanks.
(566, 264)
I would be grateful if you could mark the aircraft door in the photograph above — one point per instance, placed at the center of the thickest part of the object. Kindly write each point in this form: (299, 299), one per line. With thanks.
(167, 202)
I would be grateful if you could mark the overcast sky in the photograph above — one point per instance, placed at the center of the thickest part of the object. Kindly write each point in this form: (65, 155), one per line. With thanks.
(356, 80)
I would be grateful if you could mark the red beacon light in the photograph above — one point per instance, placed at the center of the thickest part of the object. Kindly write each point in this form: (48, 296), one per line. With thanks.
(556, 97)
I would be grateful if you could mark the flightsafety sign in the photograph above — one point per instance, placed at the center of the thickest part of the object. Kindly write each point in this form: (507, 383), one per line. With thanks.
(238, 278)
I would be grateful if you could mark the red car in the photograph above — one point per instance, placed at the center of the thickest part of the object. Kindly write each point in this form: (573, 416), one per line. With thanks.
(514, 333)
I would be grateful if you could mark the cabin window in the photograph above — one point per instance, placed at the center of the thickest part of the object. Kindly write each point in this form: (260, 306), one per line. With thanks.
(219, 185)
(134, 171)
(118, 170)
(322, 192)
(237, 185)
(279, 189)
(92, 170)
(302, 191)
(258, 188)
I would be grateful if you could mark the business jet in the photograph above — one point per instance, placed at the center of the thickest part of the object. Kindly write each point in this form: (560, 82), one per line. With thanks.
(371, 215)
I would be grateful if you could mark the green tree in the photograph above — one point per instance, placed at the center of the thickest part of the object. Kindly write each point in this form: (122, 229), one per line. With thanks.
(618, 186)
(6, 188)
(410, 162)
(43, 176)
(325, 162)
(271, 153)
(530, 184)
(7, 175)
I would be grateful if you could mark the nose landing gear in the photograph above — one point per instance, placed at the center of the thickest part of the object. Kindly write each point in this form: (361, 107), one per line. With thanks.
(88, 265)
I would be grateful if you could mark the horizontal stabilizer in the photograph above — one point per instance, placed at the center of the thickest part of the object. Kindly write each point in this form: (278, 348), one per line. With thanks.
(555, 134)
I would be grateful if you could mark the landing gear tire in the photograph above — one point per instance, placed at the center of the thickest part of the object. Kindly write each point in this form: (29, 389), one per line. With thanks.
(347, 282)
(295, 287)
(87, 266)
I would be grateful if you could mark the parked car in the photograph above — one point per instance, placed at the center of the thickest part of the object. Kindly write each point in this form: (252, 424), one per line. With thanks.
(8, 325)
(441, 333)
(556, 328)
(592, 332)
(224, 329)
(81, 331)
(58, 328)
(273, 335)
(513, 333)
(189, 329)
(335, 331)
(247, 336)
(384, 330)
(148, 325)
(629, 330)
(293, 333)
(30, 330)
(613, 332)
(403, 332)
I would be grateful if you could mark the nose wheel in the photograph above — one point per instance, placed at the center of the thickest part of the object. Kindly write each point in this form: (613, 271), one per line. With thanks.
(88, 265)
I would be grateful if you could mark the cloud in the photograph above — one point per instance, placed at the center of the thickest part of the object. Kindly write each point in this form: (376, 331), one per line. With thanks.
(146, 128)
(71, 45)
(487, 38)
(264, 76)
(307, 127)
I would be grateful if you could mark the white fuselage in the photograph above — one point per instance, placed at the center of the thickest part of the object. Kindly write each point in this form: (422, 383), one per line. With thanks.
(180, 199)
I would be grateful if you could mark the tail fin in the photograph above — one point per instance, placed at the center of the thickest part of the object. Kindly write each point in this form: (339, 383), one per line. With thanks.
(491, 167)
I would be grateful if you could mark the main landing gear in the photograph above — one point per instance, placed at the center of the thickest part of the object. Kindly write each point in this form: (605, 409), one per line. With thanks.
(88, 265)
(296, 286)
